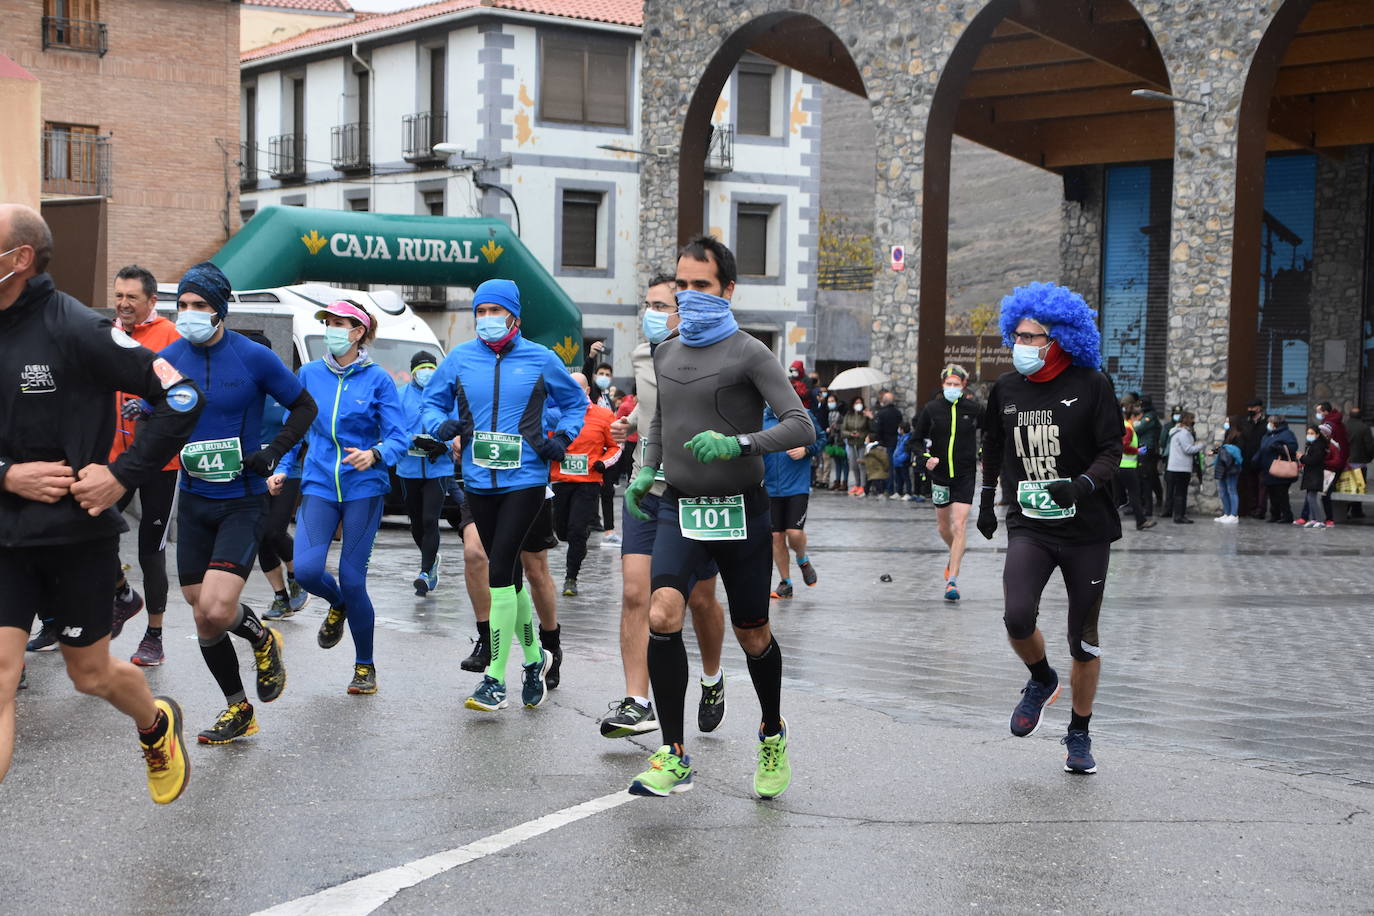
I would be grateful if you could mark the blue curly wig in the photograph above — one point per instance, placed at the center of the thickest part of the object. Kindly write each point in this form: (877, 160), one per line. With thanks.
(1063, 313)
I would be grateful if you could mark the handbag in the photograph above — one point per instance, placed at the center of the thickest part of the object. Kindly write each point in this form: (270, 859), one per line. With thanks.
(1351, 481)
(1285, 468)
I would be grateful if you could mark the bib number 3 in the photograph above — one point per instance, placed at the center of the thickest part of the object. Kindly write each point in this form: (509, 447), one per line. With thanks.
(1036, 502)
(496, 451)
(712, 518)
(213, 460)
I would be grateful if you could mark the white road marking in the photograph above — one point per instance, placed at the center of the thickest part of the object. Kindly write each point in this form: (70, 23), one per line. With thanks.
(363, 895)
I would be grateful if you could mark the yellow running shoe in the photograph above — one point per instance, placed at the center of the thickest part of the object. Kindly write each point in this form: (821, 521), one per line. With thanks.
(169, 769)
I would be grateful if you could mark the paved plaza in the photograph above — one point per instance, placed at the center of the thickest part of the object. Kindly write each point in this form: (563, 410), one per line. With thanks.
(1233, 732)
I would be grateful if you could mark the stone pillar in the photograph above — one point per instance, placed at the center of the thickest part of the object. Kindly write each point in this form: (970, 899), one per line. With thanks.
(1339, 246)
(1081, 236)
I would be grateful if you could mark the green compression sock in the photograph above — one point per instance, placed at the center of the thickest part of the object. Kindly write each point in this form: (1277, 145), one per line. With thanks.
(524, 626)
(503, 614)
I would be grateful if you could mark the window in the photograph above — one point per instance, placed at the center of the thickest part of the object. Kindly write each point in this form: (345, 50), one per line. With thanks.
(752, 223)
(754, 105)
(75, 26)
(438, 59)
(76, 160)
(433, 202)
(584, 80)
(581, 214)
(298, 108)
(245, 214)
(358, 205)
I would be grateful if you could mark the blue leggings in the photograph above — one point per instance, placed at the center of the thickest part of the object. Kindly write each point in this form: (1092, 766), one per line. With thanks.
(316, 521)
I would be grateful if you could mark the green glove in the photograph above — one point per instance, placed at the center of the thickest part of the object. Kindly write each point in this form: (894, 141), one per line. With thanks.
(635, 492)
(712, 446)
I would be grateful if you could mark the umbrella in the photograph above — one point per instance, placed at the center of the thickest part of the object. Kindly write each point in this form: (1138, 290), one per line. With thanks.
(858, 377)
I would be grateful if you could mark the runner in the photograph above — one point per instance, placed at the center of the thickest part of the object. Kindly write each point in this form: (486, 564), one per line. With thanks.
(787, 477)
(135, 293)
(344, 480)
(577, 483)
(634, 714)
(714, 376)
(223, 491)
(59, 539)
(946, 429)
(534, 560)
(1052, 434)
(426, 473)
(500, 383)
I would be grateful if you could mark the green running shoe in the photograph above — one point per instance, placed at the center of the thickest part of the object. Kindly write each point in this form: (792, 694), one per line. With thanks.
(774, 772)
(667, 774)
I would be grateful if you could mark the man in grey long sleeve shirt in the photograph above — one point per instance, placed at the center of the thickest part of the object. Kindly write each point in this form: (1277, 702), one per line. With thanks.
(714, 381)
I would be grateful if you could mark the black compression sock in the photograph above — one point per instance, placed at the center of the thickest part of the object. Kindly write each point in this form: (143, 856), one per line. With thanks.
(484, 631)
(1078, 723)
(249, 627)
(668, 677)
(765, 670)
(284, 594)
(155, 731)
(1041, 672)
(550, 639)
(154, 633)
(223, 663)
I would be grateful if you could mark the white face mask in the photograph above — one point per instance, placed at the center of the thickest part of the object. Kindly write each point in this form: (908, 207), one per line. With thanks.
(13, 272)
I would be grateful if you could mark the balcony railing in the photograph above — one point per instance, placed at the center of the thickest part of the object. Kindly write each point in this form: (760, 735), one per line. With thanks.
(75, 35)
(720, 150)
(419, 133)
(287, 155)
(248, 165)
(349, 142)
(425, 298)
(76, 163)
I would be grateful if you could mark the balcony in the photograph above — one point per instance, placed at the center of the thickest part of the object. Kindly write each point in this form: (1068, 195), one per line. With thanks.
(349, 144)
(425, 298)
(287, 157)
(248, 165)
(419, 133)
(82, 35)
(76, 163)
(720, 150)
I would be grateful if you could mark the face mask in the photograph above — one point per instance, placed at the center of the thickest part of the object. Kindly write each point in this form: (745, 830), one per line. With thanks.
(422, 376)
(858, 408)
(1177, 417)
(196, 327)
(491, 328)
(338, 340)
(13, 272)
(832, 405)
(655, 326)
(603, 382)
(952, 393)
(1226, 426)
(1311, 438)
(1026, 359)
(1320, 415)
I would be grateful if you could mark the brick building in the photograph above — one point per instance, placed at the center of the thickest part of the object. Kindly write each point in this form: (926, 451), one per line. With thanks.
(139, 133)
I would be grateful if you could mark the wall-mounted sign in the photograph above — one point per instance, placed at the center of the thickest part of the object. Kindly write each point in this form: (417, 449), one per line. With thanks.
(898, 257)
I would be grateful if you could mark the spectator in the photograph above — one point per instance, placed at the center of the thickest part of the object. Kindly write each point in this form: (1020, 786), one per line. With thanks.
(855, 427)
(834, 435)
(901, 462)
(877, 467)
(1313, 460)
(797, 376)
(1361, 452)
(1278, 444)
(1147, 430)
(1129, 472)
(1337, 452)
(1226, 468)
(886, 428)
(1182, 448)
(1251, 484)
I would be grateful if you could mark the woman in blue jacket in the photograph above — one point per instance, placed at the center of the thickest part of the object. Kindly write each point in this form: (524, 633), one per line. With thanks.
(426, 473)
(357, 433)
(499, 384)
(1278, 442)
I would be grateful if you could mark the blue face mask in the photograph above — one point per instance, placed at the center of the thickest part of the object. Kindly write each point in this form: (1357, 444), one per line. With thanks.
(196, 327)
(706, 319)
(422, 376)
(655, 326)
(953, 393)
(1026, 359)
(338, 340)
(1311, 438)
(492, 328)
(603, 382)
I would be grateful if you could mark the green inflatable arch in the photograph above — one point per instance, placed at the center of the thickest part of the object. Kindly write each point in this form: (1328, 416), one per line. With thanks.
(281, 246)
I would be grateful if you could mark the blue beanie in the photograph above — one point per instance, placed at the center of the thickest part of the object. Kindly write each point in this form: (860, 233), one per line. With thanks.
(498, 292)
(209, 283)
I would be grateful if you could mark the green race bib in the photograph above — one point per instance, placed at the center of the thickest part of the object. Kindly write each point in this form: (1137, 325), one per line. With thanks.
(660, 477)
(213, 460)
(712, 518)
(1036, 502)
(939, 495)
(576, 465)
(496, 451)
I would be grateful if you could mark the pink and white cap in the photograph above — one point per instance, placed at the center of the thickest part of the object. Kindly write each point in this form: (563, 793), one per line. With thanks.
(345, 310)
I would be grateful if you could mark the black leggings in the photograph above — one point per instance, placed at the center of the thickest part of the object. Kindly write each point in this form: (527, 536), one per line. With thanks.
(503, 520)
(607, 502)
(276, 546)
(424, 502)
(157, 501)
(1129, 479)
(1280, 508)
(1027, 571)
(574, 509)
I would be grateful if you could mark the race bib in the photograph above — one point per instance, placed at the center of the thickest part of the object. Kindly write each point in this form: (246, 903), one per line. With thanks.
(660, 477)
(1036, 502)
(576, 465)
(213, 460)
(417, 453)
(496, 451)
(939, 495)
(712, 518)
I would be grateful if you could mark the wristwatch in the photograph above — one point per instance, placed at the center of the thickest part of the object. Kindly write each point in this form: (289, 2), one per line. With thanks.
(746, 445)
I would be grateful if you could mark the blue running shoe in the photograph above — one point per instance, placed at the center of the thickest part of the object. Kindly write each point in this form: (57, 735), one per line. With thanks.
(535, 689)
(951, 591)
(1035, 696)
(1080, 756)
(299, 597)
(279, 609)
(489, 696)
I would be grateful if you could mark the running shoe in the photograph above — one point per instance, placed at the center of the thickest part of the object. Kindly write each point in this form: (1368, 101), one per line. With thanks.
(628, 718)
(711, 708)
(480, 657)
(951, 591)
(149, 652)
(773, 774)
(237, 721)
(331, 631)
(124, 609)
(169, 769)
(534, 689)
(906, 497)
(611, 540)
(552, 677)
(1079, 758)
(24, 678)
(364, 680)
(569, 588)
(808, 573)
(489, 696)
(784, 590)
(1035, 696)
(46, 640)
(1299, 522)
(271, 670)
(1314, 524)
(280, 608)
(1330, 523)
(667, 775)
(425, 582)
(299, 597)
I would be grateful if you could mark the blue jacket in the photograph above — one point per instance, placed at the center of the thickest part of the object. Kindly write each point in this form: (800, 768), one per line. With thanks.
(273, 416)
(413, 465)
(358, 409)
(503, 393)
(234, 376)
(784, 476)
(1228, 462)
(1279, 444)
(901, 457)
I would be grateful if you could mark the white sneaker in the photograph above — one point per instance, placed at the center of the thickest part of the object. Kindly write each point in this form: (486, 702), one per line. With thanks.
(1221, 518)
(892, 496)
(610, 540)
(1233, 519)
(906, 497)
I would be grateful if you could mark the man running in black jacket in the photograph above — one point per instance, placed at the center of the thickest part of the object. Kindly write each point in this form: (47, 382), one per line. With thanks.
(945, 436)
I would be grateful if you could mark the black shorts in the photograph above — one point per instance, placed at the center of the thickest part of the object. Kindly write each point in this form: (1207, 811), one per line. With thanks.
(788, 513)
(72, 582)
(1083, 567)
(541, 536)
(960, 490)
(746, 566)
(218, 534)
(464, 510)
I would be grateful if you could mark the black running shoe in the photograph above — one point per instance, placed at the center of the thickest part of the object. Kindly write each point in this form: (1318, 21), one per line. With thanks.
(124, 609)
(784, 590)
(711, 709)
(628, 718)
(480, 657)
(235, 722)
(46, 640)
(24, 678)
(551, 677)
(271, 669)
(1035, 696)
(1080, 753)
(331, 631)
(364, 680)
(808, 573)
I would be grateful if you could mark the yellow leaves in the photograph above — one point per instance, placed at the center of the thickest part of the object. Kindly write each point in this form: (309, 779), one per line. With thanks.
(567, 350)
(314, 241)
(491, 251)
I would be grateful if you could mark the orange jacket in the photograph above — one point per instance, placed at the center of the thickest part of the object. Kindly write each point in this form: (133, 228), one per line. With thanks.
(154, 334)
(595, 442)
